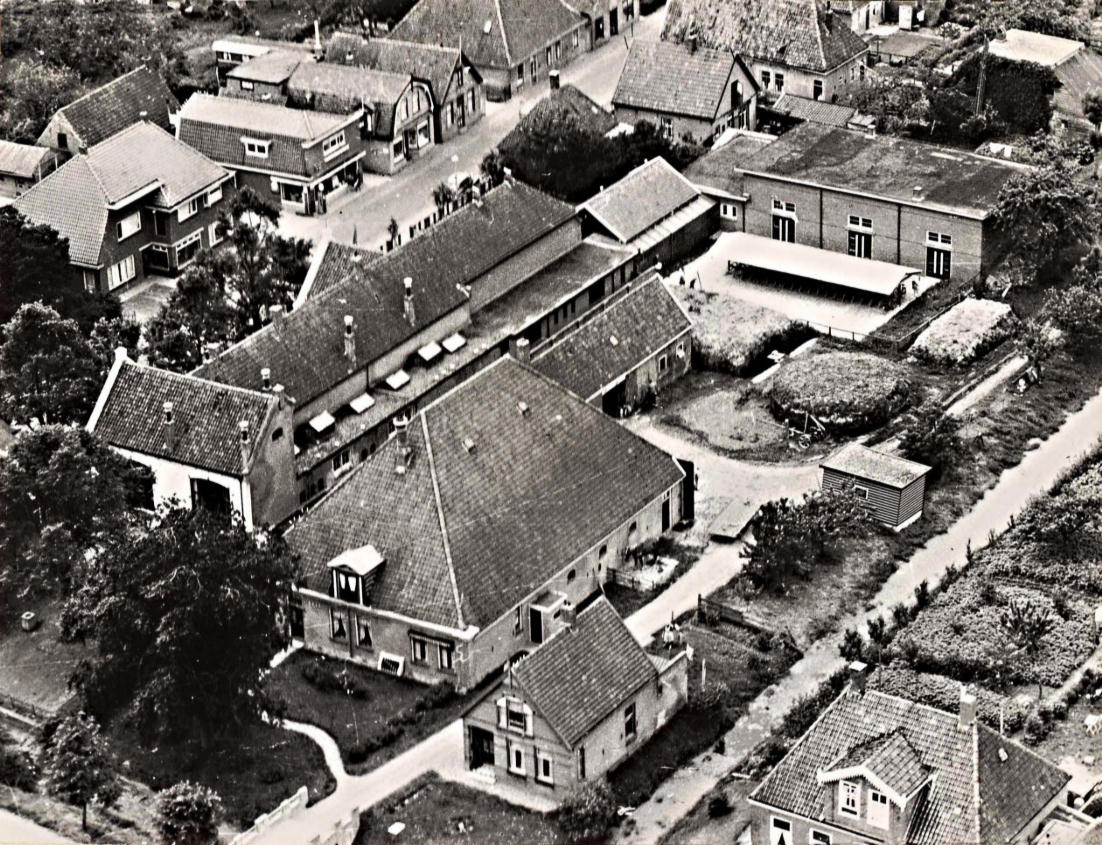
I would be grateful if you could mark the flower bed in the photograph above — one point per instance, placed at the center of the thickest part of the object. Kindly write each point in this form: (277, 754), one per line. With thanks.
(965, 332)
(846, 391)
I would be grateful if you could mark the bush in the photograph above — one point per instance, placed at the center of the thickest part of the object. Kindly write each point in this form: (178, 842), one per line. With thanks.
(966, 331)
(944, 694)
(188, 814)
(1036, 729)
(17, 768)
(325, 677)
(719, 806)
(711, 697)
(587, 812)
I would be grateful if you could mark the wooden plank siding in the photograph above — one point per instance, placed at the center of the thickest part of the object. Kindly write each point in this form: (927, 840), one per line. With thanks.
(883, 500)
(912, 499)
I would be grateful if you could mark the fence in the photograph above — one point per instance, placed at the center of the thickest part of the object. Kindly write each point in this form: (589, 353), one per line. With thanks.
(708, 610)
(632, 582)
(24, 709)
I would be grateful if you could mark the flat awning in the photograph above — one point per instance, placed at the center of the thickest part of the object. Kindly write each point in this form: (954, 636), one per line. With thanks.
(362, 402)
(454, 342)
(822, 265)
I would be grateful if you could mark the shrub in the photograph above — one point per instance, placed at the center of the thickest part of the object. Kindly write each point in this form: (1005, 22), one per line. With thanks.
(1060, 709)
(719, 806)
(325, 677)
(17, 768)
(853, 645)
(944, 694)
(965, 331)
(587, 812)
(1036, 729)
(188, 814)
(711, 697)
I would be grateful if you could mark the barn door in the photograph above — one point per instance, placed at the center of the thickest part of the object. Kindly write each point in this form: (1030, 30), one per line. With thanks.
(688, 491)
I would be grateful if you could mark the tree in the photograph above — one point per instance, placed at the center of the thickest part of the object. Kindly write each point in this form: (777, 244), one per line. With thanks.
(587, 812)
(1092, 107)
(184, 618)
(492, 167)
(62, 491)
(48, 369)
(931, 436)
(188, 814)
(78, 767)
(1027, 622)
(443, 195)
(33, 91)
(36, 269)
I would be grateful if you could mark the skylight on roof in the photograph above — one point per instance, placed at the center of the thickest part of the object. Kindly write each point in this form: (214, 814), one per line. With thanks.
(397, 380)
(455, 342)
(362, 403)
(429, 351)
(322, 421)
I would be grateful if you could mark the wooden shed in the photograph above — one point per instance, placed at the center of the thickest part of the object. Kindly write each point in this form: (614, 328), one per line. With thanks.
(893, 487)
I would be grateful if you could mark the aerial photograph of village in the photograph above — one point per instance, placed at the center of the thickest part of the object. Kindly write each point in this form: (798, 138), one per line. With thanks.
(551, 422)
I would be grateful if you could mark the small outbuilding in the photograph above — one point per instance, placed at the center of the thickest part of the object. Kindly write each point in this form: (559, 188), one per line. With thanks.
(893, 487)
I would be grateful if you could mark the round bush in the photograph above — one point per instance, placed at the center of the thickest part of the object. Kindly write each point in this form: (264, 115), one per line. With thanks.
(846, 391)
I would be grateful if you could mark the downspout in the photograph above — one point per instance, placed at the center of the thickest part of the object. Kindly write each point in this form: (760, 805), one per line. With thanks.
(899, 234)
(820, 218)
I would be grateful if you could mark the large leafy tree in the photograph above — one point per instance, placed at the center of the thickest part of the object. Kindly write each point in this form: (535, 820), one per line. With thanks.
(185, 618)
(187, 814)
(931, 436)
(78, 766)
(1027, 622)
(62, 493)
(33, 91)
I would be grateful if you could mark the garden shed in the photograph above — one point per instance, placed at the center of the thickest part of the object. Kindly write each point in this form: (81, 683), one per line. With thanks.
(893, 487)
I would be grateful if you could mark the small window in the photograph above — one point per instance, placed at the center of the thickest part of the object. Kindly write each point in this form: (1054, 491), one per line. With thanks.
(446, 656)
(860, 222)
(518, 624)
(849, 798)
(255, 148)
(860, 492)
(778, 81)
(188, 209)
(129, 225)
(544, 770)
(939, 238)
(516, 760)
(629, 723)
(728, 211)
(663, 363)
(574, 38)
(214, 237)
(602, 553)
(520, 73)
(667, 127)
(517, 717)
(277, 434)
(246, 84)
(420, 650)
(332, 146)
(817, 837)
(336, 624)
(633, 528)
(766, 78)
(548, 56)
(363, 632)
(817, 89)
(62, 141)
(570, 576)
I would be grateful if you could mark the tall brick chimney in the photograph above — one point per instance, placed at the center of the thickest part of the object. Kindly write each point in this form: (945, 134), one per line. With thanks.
(407, 301)
(349, 338)
(168, 422)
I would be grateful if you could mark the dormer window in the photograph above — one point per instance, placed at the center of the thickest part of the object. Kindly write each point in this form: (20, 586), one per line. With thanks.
(256, 148)
(354, 573)
(849, 798)
(346, 586)
(514, 715)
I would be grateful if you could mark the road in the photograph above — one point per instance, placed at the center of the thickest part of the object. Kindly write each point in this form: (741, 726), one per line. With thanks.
(407, 196)
(15, 830)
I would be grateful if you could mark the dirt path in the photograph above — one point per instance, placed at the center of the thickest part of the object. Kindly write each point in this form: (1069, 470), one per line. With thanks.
(986, 387)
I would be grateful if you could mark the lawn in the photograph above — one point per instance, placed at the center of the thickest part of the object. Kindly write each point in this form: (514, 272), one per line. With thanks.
(436, 811)
(381, 717)
(35, 667)
(699, 827)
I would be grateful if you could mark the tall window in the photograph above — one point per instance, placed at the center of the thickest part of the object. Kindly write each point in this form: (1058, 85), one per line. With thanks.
(849, 798)
(860, 244)
(446, 655)
(817, 89)
(122, 272)
(420, 650)
(544, 770)
(630, 727)
(766, 78)
(778, 80)
(784, 229)
(336, 624)
(879, 813)
(516, 759)
(363, 632)
(939, 255)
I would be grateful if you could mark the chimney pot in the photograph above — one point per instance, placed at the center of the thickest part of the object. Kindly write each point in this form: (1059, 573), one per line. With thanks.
(916, 192)
(349, 339)
(168, 418)
(569, 615)
(524, 351)
(405, 452)
(407, 301)
(266, 377)
(243, 441)
(858, 675)
(169, 425)
(969, 706)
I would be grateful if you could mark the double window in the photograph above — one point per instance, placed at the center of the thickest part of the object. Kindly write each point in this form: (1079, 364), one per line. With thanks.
(246, 84)
(728, 211)
(341, 460)
(187, 249)
(330, 147)
(849, 798)
(122, 272)
(129, 225)
(188, 209)
(514, 715)
(256, 148)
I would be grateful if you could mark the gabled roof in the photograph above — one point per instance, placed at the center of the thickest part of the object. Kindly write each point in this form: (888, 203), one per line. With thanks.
(348, 84)
(101, 113)
(615, 341)
(581, 675)
(430, 63)
(207, 417)
(492, 33)
(462, 247)
(871, 465)
(889, 761)
(795, 33)
(984, 788)
(642, 199)
(24, 160)
(498, 498)
(1079, 75)
(817, 111)
(74, 199)
(274, 67)
(667, 77)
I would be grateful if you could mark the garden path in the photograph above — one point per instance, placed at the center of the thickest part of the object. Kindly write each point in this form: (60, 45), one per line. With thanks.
(1038, 471)
(987, 386)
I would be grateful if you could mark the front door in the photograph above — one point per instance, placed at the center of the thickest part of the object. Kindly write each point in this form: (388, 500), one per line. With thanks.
(784, 229)
(482, 747)
(535, 624)
(666, 515)
(613, 21)
(939, 262)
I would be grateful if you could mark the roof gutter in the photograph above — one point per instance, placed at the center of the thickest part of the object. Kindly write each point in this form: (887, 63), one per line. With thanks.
(155, 185)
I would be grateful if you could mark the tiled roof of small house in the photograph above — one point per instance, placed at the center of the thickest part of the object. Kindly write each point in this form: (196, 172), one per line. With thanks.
(872, 465)
(74, 199)
(667, 77)
(492, 33)
(348, 85)
(24, 160)
(207, 417)
(796, 33)
(581, 675)
(495, 474)
(984, 787)
(602, 348)
(889, 758)
(274, 67)
(429, 63)
(816, 111)
(140, 95)
(643, 198)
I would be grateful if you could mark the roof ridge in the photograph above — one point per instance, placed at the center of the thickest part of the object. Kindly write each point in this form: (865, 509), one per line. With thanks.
(504, 37)
(104, 85)
(259, 394)
(819, 23)
(442, 518)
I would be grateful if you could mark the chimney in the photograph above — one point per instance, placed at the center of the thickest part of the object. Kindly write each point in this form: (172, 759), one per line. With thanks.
(692, 42)
(168, 421)
(553, 78)
(120, 353)
(569, 615)
(828, 17)
(349, 339)
(523, 351)
(243, 440)
(405, 452)
(318, 51)
(276, 313)
(858, 675)
(916, 193)
(407, 301)
(280, 395)
(266, 378)
(968, 707)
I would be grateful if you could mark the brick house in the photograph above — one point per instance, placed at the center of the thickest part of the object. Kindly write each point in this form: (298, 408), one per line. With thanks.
(861, 15)
(798, 46)
(576, 707)
(208, 444)
(263, 78)
(607, 18)
(454, 83)
(686, 91)
(135, 97)
(512, 43)
(891, 199)
(420, 563)
(22, 165)
(302, 158)
(877, 768)
(637, 344)
(147, 204)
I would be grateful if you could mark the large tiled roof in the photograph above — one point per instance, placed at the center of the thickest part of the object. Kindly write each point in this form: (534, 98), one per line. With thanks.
(615, 341)
(462, 246)
(984, 787)
(817, 111)
(863, 462)
(664, 76)
(429, 63)
(646, 196)
(101, 113)
(795, 33)
(74, 199)
(207, 417)
(498, 474)
(305, 349)
(23, 160)
(349, 84)
(492, 33)
(581, 675)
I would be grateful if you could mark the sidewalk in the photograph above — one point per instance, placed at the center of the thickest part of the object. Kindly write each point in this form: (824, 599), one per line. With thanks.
(16, 830)
(1037, 472)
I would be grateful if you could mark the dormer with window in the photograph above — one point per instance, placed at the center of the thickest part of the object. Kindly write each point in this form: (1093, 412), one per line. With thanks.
(514, 716)
(256, 147)
(354, 573)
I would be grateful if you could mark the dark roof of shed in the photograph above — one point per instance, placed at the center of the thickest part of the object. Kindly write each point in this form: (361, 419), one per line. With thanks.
(207, 415)
(274, 67)
(582, 674)
(349, 85)
(429, 63)
(23, 160)
(496, 473)
(871, 465)
(643, 198)
(817, 111)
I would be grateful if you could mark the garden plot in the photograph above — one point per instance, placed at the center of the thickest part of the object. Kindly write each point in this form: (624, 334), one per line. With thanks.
(965, 332)
(733, 418)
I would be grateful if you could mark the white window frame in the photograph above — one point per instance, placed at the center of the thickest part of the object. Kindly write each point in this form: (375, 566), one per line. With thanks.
(541, 758)
(214, 195)
(129, 226)
(849, 789)
(213, 238)
(417, 644)
(766, 79)
(860, 491)
(878, 799)
(516, 752)
(246, 84)
(784, 208)
(188, 209)
(443, 649)
(728, 210)
(334, 145)
(663, 363)
(859, 223)
(187, 241)
(256, 147)
(115, 273)
(939, 239)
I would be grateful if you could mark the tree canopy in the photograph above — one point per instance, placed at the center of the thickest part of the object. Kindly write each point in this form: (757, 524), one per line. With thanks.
(78, 767)
(188, 814)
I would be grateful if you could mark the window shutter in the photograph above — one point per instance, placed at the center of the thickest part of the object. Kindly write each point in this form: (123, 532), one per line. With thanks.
(527, 720)
(501, 713)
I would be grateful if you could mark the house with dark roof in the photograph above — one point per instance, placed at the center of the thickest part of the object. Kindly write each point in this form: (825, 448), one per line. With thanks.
(454, 83)
(575, 708)
(135, 97)
(891, 487)
(685, 90)
(22, 165)
(800, 109)
(798, 46)
(458, 544)
(208, 444)
(263, 78)
(879, 768)
(654, 210)
(512, 43)
(231, 51)
(625, 352)
(299, 157)
(139, 203)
